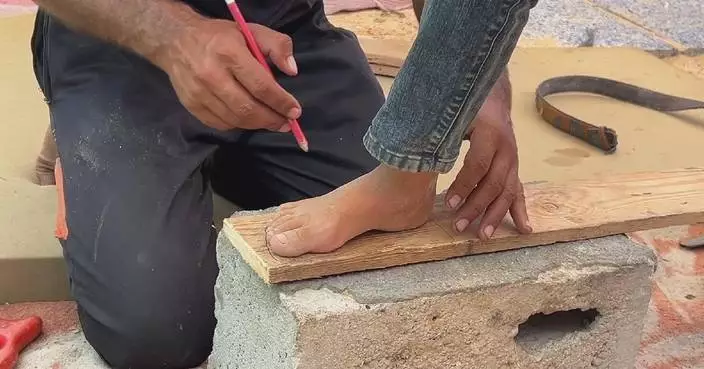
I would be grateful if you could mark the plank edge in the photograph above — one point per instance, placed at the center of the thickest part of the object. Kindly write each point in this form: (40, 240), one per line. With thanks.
(251, 258)
(465, 248)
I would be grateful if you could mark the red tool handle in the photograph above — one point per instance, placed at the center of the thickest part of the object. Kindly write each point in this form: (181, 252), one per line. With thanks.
(15, 335)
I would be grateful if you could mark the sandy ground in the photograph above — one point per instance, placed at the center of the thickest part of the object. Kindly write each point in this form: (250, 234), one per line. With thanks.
(379, 24)
(403, 25)
(690, 64)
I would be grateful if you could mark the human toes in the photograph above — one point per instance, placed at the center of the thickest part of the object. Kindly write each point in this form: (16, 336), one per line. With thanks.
(288, 238)
(285, 210)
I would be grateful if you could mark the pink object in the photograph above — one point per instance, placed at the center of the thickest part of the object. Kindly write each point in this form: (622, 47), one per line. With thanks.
(336, 6)
(254, 48)
(18, 2)
(16, 7)
(15, 335)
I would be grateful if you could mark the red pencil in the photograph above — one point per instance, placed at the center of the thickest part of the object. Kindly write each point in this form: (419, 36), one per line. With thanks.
(254, 48)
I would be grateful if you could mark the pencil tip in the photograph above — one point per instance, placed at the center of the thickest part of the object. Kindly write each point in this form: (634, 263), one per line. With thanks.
(304, 146)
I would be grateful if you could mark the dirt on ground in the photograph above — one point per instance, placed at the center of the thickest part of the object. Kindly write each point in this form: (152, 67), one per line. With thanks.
(691, 64)
(402, 25)
(379, 24)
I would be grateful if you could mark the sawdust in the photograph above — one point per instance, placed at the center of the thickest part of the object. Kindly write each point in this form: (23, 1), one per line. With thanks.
(64, 351)
(378, 24)
(402, 25)
(57, 317)
(690, 64)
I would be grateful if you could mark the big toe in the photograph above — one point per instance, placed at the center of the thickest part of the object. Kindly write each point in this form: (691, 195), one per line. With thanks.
(288, 241)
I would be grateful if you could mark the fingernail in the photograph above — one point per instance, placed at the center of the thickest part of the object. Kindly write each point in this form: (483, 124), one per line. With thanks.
(292, 64)
(294, 113)
(529, 227)
(488, 231)
(454, 201)
(285, 128)
(461, 225)
(281, 238)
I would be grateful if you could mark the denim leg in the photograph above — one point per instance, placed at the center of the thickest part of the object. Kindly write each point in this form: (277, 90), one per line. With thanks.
(460, 51)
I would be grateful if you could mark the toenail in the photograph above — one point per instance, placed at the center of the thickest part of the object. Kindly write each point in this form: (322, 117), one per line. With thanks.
(488, 231)
(461, 225)
(454, 201)
(281, 238)
(529, 227)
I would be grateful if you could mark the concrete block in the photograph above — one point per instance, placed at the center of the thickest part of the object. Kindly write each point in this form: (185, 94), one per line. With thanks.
(574, 305)
(577, 23)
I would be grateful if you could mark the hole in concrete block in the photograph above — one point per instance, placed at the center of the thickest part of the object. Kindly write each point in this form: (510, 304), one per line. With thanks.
(542, 330)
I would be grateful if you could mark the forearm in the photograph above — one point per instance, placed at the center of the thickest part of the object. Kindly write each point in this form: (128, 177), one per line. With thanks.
(146, 27)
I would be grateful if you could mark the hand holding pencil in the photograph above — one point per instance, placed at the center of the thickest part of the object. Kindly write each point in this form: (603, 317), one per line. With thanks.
(218, 79)
(254, 48)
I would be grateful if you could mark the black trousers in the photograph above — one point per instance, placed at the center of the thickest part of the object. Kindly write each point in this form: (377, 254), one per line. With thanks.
(139, 169)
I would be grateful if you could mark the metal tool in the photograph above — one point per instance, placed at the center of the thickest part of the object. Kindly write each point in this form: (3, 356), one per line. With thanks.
(602, 137)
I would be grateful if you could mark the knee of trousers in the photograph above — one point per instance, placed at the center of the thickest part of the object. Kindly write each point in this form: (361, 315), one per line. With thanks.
(169, 342)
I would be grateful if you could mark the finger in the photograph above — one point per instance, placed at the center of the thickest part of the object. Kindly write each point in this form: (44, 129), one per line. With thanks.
(210, 119)
(246, 112)
(491, 186)
(476, 165)
(277, 46)
(262, 86)
(197, 97)
(217, 110)
(198, 102)
(496, 211)
(519, 211)
(257, 80)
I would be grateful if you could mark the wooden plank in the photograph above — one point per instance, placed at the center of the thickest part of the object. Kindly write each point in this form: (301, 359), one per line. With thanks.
(566, 211)
(385, 56)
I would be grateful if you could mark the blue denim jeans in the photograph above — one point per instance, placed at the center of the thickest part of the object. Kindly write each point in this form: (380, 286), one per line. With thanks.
(461, 49)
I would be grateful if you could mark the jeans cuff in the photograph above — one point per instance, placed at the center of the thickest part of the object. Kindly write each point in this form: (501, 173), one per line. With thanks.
(406, 162)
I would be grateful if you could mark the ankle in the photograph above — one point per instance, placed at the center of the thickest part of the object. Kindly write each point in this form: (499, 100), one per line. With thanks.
(404, 178)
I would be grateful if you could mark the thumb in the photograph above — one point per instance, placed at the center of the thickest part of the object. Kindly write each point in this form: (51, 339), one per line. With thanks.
(277, 46)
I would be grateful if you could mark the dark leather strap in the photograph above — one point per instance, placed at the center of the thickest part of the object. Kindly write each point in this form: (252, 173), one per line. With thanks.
(602, 137)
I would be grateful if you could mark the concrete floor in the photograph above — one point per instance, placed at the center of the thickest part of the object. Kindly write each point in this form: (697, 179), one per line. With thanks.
(674, 335)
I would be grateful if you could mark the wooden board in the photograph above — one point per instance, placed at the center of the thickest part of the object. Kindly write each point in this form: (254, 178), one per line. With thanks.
(385, 56)
(566, 211)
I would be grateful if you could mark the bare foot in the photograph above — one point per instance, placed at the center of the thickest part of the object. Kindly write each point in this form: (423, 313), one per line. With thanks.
(384, 199)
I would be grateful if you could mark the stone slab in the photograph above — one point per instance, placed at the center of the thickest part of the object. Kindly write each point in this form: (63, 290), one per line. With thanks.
(475, 312)
(678, 20)
(577, 23)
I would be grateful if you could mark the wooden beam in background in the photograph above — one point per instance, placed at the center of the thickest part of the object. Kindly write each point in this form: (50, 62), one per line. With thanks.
(385, 56)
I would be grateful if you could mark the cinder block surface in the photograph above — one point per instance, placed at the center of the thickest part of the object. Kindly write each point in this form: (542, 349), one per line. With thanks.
(574, 305)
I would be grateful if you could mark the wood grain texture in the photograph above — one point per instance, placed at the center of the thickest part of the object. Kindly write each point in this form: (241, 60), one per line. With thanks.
(559, 212)
(385, 56)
